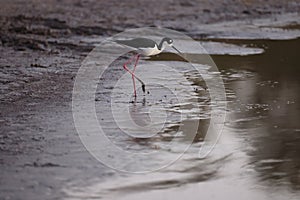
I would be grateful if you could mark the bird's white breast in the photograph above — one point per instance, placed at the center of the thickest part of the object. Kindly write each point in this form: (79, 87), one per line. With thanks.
(149, 51)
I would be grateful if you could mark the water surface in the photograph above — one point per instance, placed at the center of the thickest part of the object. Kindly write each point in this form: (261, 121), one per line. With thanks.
(258, 153)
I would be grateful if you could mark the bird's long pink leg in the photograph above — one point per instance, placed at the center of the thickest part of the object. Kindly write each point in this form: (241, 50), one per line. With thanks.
(132, 72)
(133, 79)
(136, 62)
(134, 89)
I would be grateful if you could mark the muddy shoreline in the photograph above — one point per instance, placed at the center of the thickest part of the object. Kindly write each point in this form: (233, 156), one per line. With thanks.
(39, 38)
(42, 44)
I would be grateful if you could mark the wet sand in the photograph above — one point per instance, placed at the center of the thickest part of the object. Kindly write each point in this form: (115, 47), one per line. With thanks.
(42, 46)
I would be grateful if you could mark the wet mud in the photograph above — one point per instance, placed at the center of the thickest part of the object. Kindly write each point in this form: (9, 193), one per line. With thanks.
(42, 45)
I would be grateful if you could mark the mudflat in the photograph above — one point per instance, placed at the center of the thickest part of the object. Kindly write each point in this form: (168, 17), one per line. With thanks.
(42, 45)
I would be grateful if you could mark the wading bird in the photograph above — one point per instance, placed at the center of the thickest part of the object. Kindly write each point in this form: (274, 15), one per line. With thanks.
(144, 47)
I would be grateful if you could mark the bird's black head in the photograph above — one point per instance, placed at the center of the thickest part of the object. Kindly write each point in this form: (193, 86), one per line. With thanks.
(169, 41)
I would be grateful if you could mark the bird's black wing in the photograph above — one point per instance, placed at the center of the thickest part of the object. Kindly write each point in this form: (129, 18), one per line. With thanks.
(138, 43)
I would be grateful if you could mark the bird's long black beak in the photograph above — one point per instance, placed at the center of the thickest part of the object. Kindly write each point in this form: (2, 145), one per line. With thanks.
(176, 50)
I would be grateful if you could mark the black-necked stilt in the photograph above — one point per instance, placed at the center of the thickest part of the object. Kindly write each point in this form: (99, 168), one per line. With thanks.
(144, 47)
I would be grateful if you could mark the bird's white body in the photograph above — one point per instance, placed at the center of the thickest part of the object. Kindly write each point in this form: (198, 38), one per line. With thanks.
(149, 51)
(147, 47)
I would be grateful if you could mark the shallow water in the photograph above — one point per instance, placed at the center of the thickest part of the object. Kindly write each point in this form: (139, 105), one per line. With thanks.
(258, 152)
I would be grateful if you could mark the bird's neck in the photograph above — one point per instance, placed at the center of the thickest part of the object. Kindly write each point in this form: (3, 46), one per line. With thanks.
(161, 45)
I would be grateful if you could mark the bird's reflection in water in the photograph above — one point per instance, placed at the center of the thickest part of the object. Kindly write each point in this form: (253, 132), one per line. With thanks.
(139, 113)
(151, 114)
